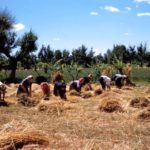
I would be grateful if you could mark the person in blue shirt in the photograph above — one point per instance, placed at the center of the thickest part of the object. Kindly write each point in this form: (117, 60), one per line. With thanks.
(59, 86)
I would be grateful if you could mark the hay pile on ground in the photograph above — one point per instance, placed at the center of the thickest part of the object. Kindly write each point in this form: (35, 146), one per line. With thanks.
(110, 106)
(109, 95)
(86, 88)
(74, 93)
(144, 115)
(139, 102)
(98, 91)
(28, 101)
(17, 134)
(54, 107)
(73, 99)
(147, 90)
(127, 88)
(18, 140)
(118, 91)
(86, 95)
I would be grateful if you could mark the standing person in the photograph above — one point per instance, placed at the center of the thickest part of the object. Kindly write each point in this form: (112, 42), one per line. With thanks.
(105, 82)
(2, 91)
(59, 86)
(25, 86)
(119, 80)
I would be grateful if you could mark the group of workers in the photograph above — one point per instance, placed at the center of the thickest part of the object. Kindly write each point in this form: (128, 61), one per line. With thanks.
(60, 85)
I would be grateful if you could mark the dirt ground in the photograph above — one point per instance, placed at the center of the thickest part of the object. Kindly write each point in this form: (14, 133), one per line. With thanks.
(86, 121)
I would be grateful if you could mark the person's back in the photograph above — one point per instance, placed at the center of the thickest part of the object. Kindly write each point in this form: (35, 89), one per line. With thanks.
(25, 86)
(60, 89)
(119, 80)
(86, 81)
(105, 82)
(116, 76)
(59, 86)
(75, 85)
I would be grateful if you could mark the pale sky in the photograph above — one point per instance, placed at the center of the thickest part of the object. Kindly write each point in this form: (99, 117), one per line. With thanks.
(97, 24)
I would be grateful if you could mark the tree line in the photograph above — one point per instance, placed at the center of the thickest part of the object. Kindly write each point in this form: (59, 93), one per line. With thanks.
(23, 52)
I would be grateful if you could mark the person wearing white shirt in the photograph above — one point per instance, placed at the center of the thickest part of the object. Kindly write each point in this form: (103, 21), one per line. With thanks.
(105, 82)
(119, 80)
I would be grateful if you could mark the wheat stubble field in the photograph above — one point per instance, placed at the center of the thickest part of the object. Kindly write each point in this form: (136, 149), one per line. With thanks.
(112, 120)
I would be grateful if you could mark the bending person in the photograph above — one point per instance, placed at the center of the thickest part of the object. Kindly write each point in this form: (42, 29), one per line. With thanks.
(25, 86)
(59, 86)
(119, 80)
(105, 82)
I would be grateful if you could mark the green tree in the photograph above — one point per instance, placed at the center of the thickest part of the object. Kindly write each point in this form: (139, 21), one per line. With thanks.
(148, 58)
(9, 43)
(57, 55)
(132, 54)
(66, 56)
(141, 53)
(46, 54)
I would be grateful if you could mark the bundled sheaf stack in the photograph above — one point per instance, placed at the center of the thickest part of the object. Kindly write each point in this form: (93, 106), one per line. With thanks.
(56, 107)
(144, 115)
(110, 101)
(29, 101)
(18, 134)
(110, 106)
(144, 104)
(139, 102)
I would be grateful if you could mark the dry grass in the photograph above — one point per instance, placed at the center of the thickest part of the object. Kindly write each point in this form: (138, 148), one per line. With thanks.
(17, 134)
(87, 95)
(98, 91)
(28, 101)
(110, 106)
(54, 108)
(144, 115)
(140, 102)
(18, 140)
(86, 88)
(76, 123)
(74, 93)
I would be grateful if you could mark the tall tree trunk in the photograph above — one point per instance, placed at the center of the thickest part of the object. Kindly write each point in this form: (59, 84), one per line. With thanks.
(13, 67)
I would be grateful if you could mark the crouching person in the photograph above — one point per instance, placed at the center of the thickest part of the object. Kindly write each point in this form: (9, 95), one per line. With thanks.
(25, 86)
(105, 82)
(2, 91)
(59, 86)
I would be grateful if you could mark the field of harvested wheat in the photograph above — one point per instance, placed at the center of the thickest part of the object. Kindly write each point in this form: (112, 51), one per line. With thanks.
(118, 119)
